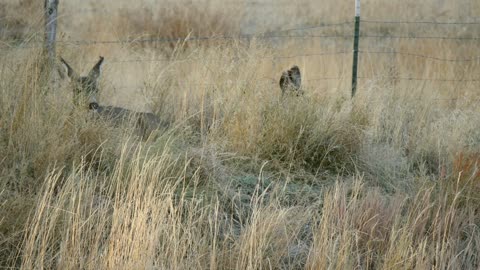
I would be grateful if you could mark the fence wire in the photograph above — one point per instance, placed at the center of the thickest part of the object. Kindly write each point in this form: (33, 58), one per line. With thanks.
(421, 37)
(420, 22)
(429, 57)
(419, 79)
(298, 32)
(271, 57)
(80, 43)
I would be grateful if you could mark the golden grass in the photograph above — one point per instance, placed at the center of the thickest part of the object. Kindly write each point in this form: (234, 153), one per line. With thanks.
(243, 178)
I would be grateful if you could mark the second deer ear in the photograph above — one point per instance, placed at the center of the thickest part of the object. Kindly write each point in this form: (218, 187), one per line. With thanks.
(69, 70)
(96, 70)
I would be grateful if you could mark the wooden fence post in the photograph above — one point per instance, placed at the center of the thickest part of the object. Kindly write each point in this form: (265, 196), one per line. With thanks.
(50, 15)
(356, 39)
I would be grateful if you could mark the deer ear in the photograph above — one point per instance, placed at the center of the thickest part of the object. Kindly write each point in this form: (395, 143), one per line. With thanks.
(295, 76)
(284, 80)
(69, 70)
(96, 70)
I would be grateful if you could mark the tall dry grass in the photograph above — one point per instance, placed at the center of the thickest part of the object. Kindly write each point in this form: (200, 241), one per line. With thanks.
(145, 216)
(243, 178)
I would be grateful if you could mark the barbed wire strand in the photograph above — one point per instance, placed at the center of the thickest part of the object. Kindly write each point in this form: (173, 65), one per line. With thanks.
(81, 43)
(230, 58)
(473, 59)
(430, 57)
(275, 81)
(420, 22)
(420, 37)
(418, 79)
(294, 28)
(323, 25)
(306, 55)
(186, 39)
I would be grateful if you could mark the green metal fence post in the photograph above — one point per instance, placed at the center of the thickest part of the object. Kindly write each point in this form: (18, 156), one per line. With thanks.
(355, 47)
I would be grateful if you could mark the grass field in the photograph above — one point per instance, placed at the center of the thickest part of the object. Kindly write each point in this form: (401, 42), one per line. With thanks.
(242, 178)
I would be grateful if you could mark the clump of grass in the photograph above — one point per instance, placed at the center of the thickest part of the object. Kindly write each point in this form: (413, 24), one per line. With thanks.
(306, 133)
(360, 228)
(147, 198)
(464, 178)
(19, 19)
(174, 22)
(142, 216)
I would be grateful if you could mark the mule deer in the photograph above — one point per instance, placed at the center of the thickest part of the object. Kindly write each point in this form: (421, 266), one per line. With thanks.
(291, 81)
(85, 90)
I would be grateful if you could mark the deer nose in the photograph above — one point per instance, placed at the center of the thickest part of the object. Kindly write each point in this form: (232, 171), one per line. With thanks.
(93, 106)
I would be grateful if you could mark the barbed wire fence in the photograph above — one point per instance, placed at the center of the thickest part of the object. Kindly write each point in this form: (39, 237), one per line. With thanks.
(302, 32)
